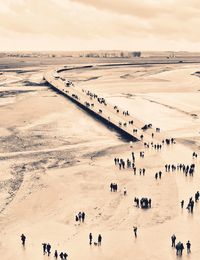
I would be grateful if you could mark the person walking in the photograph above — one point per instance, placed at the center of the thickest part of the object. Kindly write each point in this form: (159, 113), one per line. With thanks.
(44, 245)
(135, 231)
(90, 238)
(173, 238)
(23, 239)
(182, 204)
(83, 216)
(48, 249)
(99, 240)
(56, 254)
(181, 248)
(188, 244)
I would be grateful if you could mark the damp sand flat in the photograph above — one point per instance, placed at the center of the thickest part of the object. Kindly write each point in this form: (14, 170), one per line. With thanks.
(68, 167)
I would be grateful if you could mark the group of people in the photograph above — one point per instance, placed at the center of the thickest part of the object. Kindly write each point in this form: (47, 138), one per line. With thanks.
(190, 206)
(144, 203)
(80, 217)
(153, 145)
(126, 113)
(99, 240)
(179, 246)
(194, 155)
(46, 249)
(158, 174)
(62, 255)
(186, 169)
(120, 162)
(142, 171)
(142, 154)
(130, 164)
(113, 187)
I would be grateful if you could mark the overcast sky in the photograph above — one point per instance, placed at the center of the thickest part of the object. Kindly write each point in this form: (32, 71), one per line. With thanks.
(100, 24)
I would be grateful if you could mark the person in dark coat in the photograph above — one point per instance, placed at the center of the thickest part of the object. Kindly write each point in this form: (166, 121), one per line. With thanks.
(48, 249)
(56, 254)
(44, 245)
(173, 238)
(99, 240)
(135, 231)
(83, 216)
(90, 238)
(188, 244)
(23, 239)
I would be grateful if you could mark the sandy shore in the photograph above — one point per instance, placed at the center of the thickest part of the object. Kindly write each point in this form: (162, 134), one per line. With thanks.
(56, 161)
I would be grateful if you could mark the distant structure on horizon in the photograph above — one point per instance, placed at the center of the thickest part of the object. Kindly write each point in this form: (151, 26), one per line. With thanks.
(101, 54)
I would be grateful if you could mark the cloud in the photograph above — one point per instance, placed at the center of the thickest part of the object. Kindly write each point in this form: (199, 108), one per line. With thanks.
(101, 23)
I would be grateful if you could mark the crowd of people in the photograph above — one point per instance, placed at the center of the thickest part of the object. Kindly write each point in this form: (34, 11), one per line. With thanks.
(144, 203)
(186, 169)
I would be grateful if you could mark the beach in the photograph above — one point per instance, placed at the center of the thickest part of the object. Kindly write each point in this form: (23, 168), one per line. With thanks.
(57, 160)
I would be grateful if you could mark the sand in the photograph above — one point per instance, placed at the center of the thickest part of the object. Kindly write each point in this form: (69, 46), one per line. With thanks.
(56, 161)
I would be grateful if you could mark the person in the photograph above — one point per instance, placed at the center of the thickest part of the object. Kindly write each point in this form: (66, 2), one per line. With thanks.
(125, 191)
(182, 204)
(79, 216)
(178, 248)
(181, 248)
(99, 239)
(65, 255)
(173, 238)
(23, 239)
(90, 238)
(61, 255)
(191, 205)
(83, 216)
(111, 187)
(56, 254)
(135, 231)
(44, 245)
(149, 202)
(188, 244)
(48, 249)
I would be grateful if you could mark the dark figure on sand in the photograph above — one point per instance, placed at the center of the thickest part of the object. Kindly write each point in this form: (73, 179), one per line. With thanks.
(44, 245)
(90, 238)
(173, 238)
(23, 239)
(99, 240)
(48, 249)
(188, 244)
(135, 231)
(56, 254)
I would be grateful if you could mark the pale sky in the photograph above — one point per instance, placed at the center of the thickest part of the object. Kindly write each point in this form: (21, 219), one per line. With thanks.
(99, 24)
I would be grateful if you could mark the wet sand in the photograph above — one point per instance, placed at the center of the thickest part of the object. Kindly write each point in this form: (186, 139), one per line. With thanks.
(56, 161)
